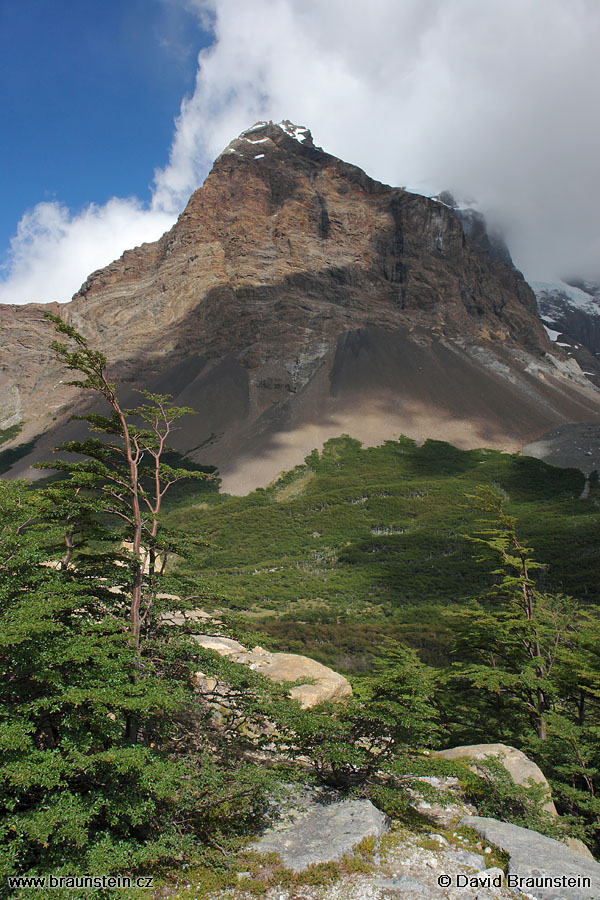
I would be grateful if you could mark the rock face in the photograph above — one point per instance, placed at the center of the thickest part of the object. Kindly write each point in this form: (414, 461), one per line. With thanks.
(282, 668)
(296, 299)
(325, 833)
(569, 445)
(315, 826)
(571, 313)
(534, 856)
(520, 767)
(447, 808)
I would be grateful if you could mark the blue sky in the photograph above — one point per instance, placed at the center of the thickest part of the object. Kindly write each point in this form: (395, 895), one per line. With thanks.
(113, 110)
(89, 90)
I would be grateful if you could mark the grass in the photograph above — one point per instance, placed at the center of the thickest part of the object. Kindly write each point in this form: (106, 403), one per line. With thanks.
(250, 875)
(8, 434)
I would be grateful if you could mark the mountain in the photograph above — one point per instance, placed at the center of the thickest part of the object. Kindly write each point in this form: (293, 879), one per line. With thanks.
(570, 311)
(296, 299)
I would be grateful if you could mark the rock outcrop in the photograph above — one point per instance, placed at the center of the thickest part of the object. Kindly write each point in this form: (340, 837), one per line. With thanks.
(324, 833)
(571, 314)
(521, 769)
(295, 299)
(534, 857)
(284, 667)
(467, 858)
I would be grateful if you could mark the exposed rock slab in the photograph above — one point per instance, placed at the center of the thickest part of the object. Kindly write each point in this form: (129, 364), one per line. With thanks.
(534, 856)
(325, 834)
(404, 884)
(522, 769)
(282, 668)
(186, 616)
(579, 847)
(443, 811)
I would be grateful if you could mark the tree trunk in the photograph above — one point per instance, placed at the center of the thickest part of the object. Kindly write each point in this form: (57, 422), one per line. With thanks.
(69, 547)
(541, 726)
(581, 711)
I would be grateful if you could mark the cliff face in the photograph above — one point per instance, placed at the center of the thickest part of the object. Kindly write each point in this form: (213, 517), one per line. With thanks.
(280, 218)
(296, 298)
(571, 312)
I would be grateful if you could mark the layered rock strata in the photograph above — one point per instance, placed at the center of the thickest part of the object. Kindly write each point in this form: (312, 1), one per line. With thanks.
(294, 299)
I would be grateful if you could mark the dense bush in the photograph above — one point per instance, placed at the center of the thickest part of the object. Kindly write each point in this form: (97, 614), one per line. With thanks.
(347, 742)
(78, 793)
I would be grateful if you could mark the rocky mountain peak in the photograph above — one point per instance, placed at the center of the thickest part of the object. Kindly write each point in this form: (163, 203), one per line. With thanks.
(297, 298)
(265, 136)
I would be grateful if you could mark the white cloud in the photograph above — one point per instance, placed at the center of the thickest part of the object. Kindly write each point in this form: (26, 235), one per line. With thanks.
(54, 250)
(496, 100)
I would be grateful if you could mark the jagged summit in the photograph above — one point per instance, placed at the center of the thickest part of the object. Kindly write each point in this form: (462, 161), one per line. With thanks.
(297, 298)
(262, 136)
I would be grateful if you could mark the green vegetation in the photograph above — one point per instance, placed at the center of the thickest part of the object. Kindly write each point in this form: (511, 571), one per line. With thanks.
(111, 762)
(494, 793)
(527, 662)
(347, 743)
(363, 544)
(8, 434)
(126, 747)
(359, 546)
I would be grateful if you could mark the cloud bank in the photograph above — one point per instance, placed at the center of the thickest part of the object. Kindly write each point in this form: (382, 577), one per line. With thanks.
(494, 100)
(54, 250)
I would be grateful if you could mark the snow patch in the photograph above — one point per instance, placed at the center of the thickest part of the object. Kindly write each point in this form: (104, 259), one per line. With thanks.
(255, 127)
(463, 205)
(260, 156)
(426, 190)
(560, 290)
(298, 132)
(553, 335)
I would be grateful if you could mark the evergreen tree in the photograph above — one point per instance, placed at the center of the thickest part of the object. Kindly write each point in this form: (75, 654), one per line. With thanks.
(108, 757)
(124, 475)
(514, 638)
(72, 786)
(527, 668)
(390, 713)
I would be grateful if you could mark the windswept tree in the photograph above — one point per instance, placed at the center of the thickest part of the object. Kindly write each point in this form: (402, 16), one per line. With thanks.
(510, 641)
(123, 476)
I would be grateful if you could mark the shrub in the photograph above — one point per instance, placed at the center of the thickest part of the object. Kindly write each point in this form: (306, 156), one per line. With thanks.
(347, 742)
